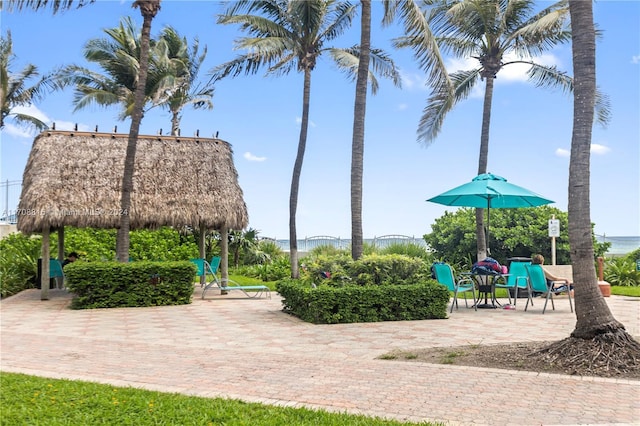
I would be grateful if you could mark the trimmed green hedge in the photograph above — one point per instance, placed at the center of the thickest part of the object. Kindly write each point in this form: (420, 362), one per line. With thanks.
(352, 303)
(113, 284)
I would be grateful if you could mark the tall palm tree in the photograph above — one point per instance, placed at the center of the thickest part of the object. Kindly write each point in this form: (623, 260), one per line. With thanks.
(118, 55)
(15, 88)
(413, 19)
(287, 35)
(488, 31)
(148, 9)
(357, 143)
(598, 340)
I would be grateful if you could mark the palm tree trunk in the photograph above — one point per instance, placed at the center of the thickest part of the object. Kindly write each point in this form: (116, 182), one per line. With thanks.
(295, 180)
(149, 9)
(481, 242)
(593, 314)
(357, 146)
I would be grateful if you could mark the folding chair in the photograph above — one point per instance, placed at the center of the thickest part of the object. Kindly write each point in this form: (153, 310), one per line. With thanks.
(538, 283)
(444, 275)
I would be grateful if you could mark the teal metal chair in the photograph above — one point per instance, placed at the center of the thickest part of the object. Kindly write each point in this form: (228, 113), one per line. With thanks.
(445, 276)
(517, 279)
(538, 283)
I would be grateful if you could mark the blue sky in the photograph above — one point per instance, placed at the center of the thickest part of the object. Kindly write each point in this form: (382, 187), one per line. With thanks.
(529, 142)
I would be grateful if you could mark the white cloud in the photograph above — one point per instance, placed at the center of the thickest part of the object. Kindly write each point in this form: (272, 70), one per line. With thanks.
(599, 149)
(299, 121)
(635, 59)
(33, 111)
(250, 157)
(595, 149)
(413, 81)
(402, 107)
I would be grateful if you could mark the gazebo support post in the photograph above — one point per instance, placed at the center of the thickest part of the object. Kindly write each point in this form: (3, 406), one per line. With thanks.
(44, 276)
(224, 254)
(203, 251)
(59, 280)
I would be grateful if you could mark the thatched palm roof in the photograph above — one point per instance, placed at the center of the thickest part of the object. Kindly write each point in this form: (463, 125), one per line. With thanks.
(74, 178)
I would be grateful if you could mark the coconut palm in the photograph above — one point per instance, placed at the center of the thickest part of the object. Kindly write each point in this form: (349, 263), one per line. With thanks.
(287, 35)
(118, 55)
(598, 340)
(148, 9)
(179, 65)
(15, 88)
(488, 31)
(415, 24)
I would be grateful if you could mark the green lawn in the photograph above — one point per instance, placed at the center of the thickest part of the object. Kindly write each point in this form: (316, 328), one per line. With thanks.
(29, 400)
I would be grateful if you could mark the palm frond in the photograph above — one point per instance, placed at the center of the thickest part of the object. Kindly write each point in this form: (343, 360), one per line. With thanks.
(550, 77)
(55, 5)
(442, 99)
(380, 64)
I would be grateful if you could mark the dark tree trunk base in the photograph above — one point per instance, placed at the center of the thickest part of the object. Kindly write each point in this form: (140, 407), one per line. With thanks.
(615, 352)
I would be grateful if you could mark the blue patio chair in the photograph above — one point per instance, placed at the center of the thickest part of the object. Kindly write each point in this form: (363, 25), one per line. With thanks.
(538, 283)
(444, 275)
(516, 279)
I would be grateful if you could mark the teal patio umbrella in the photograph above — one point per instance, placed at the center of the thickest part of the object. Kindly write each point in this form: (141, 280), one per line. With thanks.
(488, 191)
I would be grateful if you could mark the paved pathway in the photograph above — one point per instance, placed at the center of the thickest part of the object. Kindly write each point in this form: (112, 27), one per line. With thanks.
(251, 350)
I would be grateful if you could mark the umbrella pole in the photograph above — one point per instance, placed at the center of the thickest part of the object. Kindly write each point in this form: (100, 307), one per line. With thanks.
(488, 225)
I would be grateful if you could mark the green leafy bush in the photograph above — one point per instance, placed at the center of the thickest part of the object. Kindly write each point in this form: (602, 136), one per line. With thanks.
(18, 263)
(408, 249)
(113, 284)
(621, 271)
(350, 303)
(387, 269)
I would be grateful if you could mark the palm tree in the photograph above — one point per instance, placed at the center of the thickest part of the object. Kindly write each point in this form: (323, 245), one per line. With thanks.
(118, 55)
(15, 90)
(148, 9)
(357, 144)
(414, 22)
(598, 340)
(179, 65)
(291, 34)
(171, 79)
(488, 30)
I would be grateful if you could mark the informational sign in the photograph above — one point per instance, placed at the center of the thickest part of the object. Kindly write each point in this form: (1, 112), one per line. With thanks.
(554, 228)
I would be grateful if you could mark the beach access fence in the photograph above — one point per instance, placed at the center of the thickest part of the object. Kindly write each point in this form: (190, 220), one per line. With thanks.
(309, 243)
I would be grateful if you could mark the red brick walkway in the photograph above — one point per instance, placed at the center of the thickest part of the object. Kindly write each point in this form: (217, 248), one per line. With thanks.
(251, 350)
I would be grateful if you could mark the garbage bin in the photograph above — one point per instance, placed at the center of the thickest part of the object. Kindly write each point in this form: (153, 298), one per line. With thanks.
(52, 281)
(523, 293)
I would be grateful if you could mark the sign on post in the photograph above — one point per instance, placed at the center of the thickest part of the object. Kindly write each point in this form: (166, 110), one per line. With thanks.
(554, 228)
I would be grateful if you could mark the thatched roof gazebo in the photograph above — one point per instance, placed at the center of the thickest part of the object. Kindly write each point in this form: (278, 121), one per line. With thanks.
(74, 179)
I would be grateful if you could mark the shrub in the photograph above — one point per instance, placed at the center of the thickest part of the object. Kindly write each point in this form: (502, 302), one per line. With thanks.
(408, 249)
(387, 269)
(18, 263)
(113, 284)
(350, 303)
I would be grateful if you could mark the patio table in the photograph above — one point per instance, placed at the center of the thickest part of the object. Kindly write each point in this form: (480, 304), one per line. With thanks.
(486, 284)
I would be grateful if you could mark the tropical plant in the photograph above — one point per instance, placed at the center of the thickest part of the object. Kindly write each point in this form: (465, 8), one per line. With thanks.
(287, 35)
(621, 271)
(242, 242)
(18, 263)
(179, 65)
(514, 233)
(19, 89)
(489, 31)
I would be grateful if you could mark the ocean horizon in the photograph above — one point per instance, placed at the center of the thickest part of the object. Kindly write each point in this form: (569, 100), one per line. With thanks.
(620, 245)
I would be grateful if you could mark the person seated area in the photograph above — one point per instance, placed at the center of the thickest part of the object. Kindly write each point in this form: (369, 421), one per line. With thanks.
(72, 257)
(560, 284)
